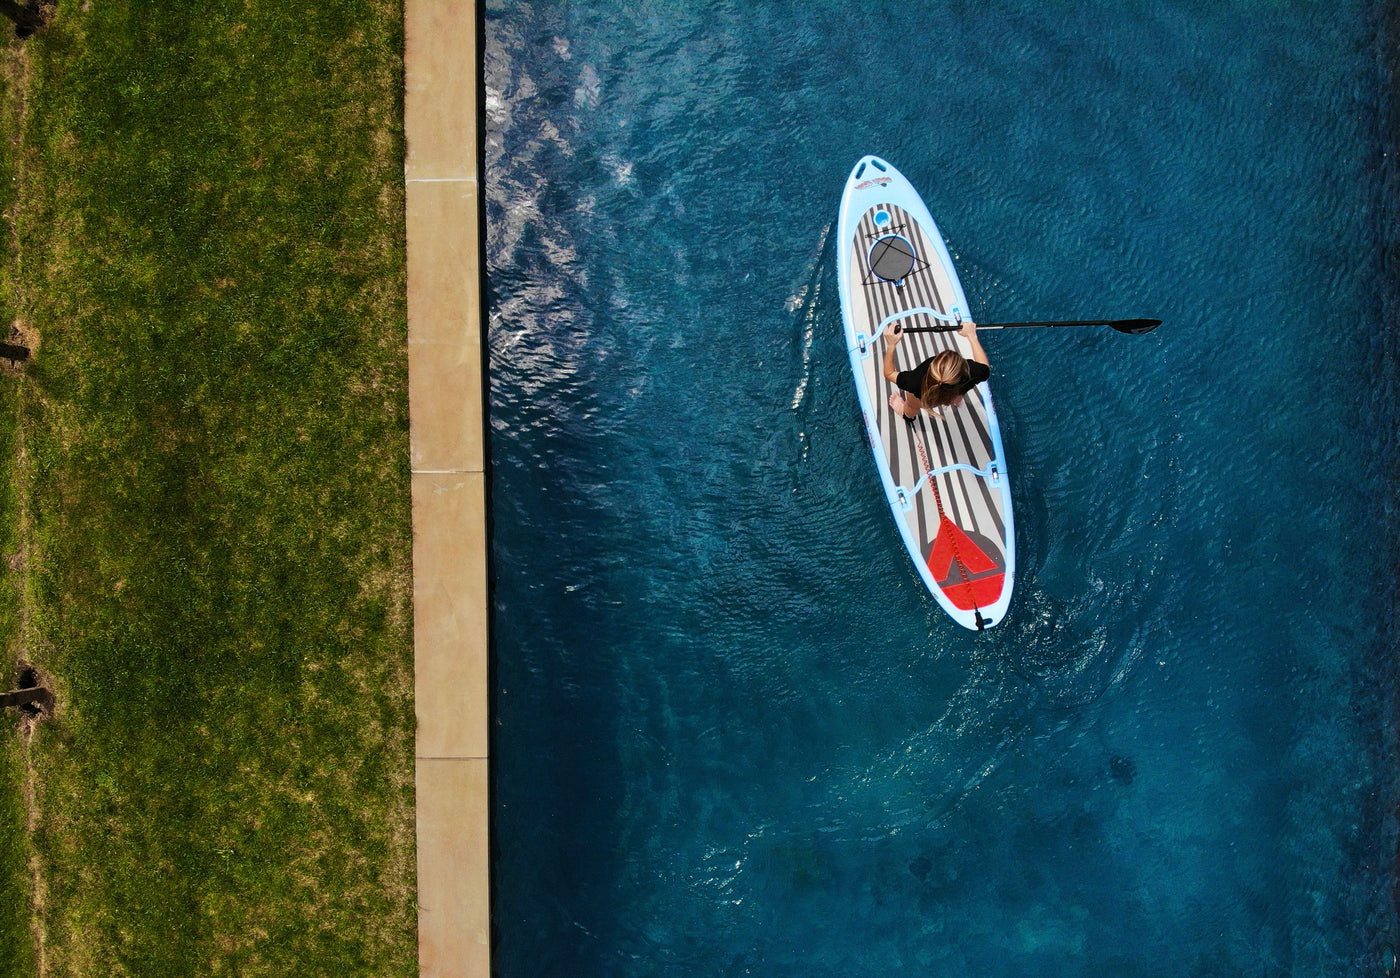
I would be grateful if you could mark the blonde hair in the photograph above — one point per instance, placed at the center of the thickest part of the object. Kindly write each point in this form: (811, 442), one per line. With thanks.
(944, 381)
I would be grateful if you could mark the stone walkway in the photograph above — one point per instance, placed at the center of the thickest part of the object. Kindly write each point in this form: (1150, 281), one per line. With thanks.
(446, 436)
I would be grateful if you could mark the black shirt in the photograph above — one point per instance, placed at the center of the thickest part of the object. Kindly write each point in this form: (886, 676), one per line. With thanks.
(913, 380)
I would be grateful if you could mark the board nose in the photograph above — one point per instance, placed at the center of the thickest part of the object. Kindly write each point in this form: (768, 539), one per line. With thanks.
(867, 164)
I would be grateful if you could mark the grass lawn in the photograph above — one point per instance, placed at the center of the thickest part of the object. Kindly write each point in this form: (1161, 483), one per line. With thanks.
(213, 492)
(17, 957)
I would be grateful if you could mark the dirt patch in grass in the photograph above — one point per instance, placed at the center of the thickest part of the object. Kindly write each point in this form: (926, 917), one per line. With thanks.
(29, 677)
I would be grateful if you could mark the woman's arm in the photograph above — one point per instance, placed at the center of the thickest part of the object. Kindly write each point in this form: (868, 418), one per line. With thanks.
(969, 333)
(890, 371)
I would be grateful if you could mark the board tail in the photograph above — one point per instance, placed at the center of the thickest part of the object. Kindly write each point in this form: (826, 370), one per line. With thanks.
(967, 575)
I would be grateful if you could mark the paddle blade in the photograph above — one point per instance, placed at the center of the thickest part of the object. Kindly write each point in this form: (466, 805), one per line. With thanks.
(1136, 327)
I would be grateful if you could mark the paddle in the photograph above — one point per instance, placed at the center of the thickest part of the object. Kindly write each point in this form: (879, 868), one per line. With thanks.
(1134, 327)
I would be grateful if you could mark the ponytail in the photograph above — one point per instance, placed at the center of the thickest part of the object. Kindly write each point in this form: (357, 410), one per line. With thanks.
(945, 379)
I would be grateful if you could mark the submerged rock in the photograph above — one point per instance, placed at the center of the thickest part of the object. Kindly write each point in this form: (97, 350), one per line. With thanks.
(1122, 768)
(920, 867)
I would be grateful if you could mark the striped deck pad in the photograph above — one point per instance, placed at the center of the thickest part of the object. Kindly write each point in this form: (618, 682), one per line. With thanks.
(961, 435)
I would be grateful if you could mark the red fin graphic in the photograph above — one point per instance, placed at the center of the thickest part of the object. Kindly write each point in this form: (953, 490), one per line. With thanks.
(978, 583)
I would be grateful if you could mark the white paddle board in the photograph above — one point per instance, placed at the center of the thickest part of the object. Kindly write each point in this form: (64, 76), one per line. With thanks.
(944, 477)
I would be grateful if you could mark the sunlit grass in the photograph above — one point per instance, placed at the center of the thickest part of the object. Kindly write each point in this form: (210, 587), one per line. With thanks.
(18, 957)
(209, 243)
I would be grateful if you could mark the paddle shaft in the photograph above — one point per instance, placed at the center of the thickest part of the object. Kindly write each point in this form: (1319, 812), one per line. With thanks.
(1132, 326)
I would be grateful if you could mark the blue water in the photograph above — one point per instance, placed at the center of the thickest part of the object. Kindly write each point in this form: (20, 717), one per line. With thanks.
(733, 735)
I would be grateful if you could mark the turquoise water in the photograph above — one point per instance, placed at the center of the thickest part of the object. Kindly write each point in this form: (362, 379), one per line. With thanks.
(732, 733)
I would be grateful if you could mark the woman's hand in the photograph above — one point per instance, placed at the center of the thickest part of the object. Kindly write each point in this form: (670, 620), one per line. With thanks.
(968, 330)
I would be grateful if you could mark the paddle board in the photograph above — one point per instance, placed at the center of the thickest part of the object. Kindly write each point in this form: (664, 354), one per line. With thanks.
(944, 477)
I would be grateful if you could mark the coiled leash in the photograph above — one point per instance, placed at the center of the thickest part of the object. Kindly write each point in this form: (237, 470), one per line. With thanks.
(943, 518)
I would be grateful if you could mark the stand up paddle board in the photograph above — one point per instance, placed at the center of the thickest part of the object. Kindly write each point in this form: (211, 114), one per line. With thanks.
(945, 478)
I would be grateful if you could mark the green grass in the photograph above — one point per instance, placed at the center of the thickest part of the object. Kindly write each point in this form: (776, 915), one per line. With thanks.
(210, 246)
(18, 956)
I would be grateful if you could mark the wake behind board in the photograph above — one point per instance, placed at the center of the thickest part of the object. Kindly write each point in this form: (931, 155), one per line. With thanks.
(945, 478)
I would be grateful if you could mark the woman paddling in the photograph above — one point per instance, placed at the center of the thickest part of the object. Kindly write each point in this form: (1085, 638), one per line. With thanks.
(938, 382)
